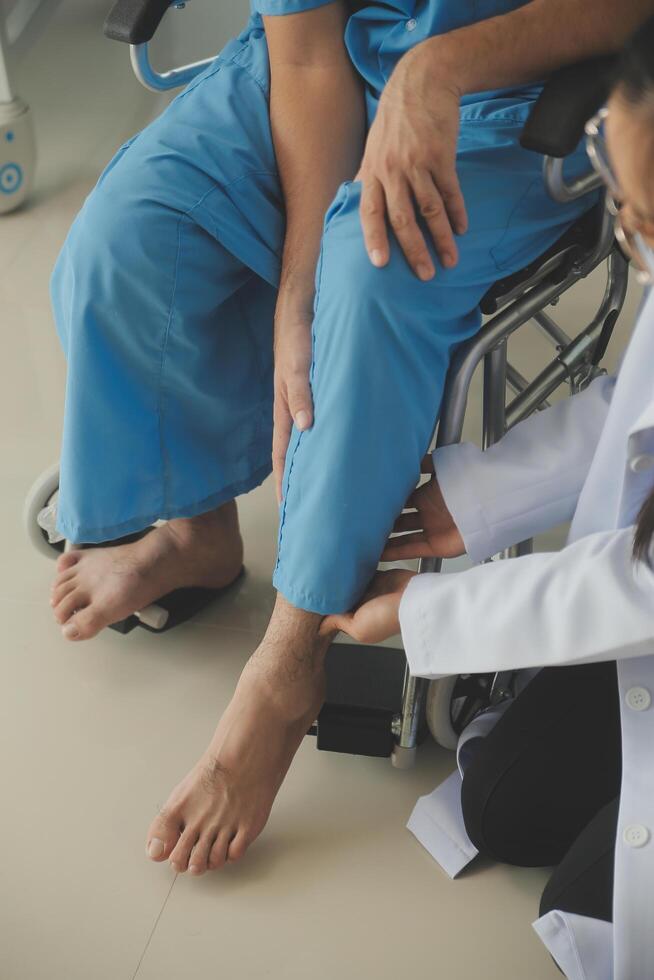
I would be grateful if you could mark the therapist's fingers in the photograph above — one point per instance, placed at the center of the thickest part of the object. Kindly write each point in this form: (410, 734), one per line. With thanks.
(408, 522)
(412, 545)
(336, 623)
(427, 464)
(403, 219)
(432, 208)
(372, 211)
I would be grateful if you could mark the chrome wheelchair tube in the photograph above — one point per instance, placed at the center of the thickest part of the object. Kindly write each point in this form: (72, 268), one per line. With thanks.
(469, 355)
(162, 81)
(517, 383)
(560, 189)
(579, 350)
(552, 330)
(494, 420)
(406, 724)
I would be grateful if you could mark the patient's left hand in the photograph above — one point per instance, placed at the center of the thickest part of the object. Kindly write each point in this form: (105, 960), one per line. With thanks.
(378, 615)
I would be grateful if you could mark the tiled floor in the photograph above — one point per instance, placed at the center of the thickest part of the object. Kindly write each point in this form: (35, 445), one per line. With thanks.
(93, 737)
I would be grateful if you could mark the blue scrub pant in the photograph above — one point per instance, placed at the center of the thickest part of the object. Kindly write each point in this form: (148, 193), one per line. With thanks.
(164, 296)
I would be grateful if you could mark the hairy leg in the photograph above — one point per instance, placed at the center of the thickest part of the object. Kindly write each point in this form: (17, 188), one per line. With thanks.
(223, 804)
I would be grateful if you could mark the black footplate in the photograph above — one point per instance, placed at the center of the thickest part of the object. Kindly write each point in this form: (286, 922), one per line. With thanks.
(364, 693)
(181, 605)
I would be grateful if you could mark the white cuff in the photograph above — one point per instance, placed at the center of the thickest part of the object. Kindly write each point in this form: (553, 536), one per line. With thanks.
(416, 623)
(580, 945)
(437, 822)
(455, 467)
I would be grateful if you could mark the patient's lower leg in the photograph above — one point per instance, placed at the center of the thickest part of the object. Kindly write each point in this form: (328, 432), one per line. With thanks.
(99, 586)
(223, 803)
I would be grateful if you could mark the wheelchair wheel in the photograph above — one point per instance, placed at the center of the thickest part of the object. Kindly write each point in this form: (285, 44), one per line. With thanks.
(39, 498)
(452, 703)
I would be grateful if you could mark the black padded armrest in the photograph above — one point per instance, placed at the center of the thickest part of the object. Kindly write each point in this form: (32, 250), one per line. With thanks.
(134, 21)
(569, 98)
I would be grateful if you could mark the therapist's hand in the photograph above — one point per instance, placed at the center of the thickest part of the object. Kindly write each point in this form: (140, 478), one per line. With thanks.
(293, 401)
(378, 615)
(425, 529)
(409, 164)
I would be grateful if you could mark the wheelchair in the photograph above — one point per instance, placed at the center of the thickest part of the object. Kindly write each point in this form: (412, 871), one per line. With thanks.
(374, 706)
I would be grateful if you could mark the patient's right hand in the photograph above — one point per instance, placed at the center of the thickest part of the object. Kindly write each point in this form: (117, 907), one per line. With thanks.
(425, 529)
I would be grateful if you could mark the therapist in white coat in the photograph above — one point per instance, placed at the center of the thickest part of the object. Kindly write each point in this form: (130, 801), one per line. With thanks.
(565, 777)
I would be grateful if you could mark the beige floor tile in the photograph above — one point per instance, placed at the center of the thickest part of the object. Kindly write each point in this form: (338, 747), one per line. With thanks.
(338, 886)
(91, 740)
(104, 731)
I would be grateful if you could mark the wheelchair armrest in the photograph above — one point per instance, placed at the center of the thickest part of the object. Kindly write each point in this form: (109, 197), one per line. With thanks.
(569, 98)
(135, 21)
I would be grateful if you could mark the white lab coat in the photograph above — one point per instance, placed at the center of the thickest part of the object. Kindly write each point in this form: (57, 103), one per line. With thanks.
(590, 459)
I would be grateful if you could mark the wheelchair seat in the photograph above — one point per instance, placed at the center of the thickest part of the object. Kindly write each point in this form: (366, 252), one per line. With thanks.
(577, 242)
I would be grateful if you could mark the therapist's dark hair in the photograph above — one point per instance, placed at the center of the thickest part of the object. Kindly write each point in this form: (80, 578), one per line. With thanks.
(634, 75)
(635, 81)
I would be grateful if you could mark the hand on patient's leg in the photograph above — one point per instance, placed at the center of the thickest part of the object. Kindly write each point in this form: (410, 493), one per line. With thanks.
(222, 805)
(425, 528)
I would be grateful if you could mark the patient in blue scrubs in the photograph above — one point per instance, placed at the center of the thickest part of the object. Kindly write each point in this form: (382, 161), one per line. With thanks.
(274, 275)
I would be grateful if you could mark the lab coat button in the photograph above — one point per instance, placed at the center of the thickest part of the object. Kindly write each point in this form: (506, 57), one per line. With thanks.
(411, 24)
(644, 461)
(635, 835)
(638, 698)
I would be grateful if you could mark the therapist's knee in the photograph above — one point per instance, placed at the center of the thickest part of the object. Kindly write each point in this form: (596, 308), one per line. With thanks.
(495, 820)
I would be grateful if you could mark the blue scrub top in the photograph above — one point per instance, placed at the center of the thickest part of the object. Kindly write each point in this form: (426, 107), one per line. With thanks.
(378, 34)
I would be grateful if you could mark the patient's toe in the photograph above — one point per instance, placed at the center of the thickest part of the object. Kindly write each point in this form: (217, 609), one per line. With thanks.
(182, 851)
(67, 560)
(163, 835)
(70, 603)
(199, 858)
(86, 624)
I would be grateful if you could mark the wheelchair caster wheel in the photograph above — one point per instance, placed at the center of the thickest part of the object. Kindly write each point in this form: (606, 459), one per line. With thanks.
(17, 154)
(453, 702)
(38, 498)
(403, 758)
(439, 712)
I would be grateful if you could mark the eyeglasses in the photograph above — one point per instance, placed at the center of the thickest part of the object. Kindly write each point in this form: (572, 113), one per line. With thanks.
(599, 157)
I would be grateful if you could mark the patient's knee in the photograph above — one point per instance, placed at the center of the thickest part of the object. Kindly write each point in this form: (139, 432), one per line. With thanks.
(118, 253)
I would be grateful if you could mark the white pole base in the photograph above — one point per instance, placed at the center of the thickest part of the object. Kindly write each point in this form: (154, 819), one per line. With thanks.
(17, 154)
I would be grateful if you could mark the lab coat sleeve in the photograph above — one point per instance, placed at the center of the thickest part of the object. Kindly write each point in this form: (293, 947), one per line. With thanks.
(588, 602)
(270, 8)
(528, 482)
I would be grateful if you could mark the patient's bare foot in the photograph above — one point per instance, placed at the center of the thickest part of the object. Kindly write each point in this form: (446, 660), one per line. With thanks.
(223, 803)
(98, 586)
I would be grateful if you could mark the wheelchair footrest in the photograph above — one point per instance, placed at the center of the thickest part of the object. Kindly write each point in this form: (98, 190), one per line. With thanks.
(357, 731)
(181, 605)
(364, 693)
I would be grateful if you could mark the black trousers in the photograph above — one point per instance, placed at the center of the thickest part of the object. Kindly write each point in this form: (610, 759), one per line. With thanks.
(543, 787)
